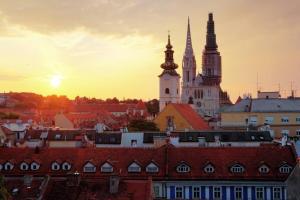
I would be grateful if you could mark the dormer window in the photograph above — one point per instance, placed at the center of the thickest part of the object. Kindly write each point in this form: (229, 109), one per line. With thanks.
(8, 166)
(66, 166)
(106, 167)
(89, 167)
(24, 166)
(183, 168)
(134, 167)
(209, 168)
(285, 169)
(237, 168)
(152, 168)
(55, 166)
(264, 169)
(34, 166)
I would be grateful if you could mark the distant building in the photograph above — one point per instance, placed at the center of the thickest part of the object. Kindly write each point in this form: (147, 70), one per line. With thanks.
(280, 116)
(180, 117)
(268, 95)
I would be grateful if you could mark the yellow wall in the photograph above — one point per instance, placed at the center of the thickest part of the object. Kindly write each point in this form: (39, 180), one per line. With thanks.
(238, 118)
(180, 123)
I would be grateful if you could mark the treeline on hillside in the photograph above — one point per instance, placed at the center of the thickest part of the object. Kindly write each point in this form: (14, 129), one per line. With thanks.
(26, 100)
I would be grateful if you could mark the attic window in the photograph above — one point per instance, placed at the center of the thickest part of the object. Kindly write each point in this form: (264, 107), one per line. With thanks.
(183, 168)
(264, 169)
(152, 168)
(237, 168)
(34, 166)
(24, 166)
(106, 167)
(55, 166)
(89, 167)
(285, 169)
(8, 166)
(66, 166)
(134, 167)
(209, 169)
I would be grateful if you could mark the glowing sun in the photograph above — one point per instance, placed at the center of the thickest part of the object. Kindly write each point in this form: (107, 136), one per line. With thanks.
(55, 81)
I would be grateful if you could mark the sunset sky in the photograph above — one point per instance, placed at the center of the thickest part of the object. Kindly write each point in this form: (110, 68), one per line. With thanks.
(114, 48)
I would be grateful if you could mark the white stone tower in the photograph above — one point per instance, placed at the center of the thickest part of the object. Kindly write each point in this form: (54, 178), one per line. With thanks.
(169, 79)
(188, 68)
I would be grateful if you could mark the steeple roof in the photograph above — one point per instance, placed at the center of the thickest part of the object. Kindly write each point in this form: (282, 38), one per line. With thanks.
(188, 47)
(211, 43)
(169, 66)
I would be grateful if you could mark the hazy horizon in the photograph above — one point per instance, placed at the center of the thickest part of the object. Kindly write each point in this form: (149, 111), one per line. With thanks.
(114, 48)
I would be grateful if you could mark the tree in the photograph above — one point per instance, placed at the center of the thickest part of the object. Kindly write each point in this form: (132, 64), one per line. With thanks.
(153, 107)
(142, 125)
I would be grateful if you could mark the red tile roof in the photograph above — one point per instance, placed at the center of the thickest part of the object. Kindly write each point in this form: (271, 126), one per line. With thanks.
(166, 157)
(193, 118)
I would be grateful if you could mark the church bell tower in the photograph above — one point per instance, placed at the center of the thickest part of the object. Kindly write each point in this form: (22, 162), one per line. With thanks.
(169, 79)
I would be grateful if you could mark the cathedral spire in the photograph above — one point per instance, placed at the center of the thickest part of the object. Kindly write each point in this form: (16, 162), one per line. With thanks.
(211, 43)
(189, 48)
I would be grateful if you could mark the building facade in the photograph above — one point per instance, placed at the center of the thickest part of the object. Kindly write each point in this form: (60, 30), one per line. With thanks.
(280, 116)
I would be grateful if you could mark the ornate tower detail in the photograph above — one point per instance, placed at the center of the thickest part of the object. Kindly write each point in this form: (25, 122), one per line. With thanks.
(169, 91)
(211, 59)
(188, 67)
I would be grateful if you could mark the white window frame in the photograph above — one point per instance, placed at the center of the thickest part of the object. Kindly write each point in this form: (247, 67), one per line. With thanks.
(285, 132)
(297, 120)
(274, 193)
(259, 194)
(285, 169)
(11, 166)
(179, 190)
(24, 164)
(285, 120)
(107, 168)
(237, 168)
(264, 169)
(209, 168)
(89, 168)
(69, 166)
(298, 132)
(238, 194)
(253, 120)
(55, 164)
(134, 168)
(217, 193)
(34, 164)
(183, 168)
(197, 190)
(152, 168)
(269, 119)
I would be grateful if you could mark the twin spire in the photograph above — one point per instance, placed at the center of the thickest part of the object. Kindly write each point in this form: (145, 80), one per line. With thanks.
(188, 48)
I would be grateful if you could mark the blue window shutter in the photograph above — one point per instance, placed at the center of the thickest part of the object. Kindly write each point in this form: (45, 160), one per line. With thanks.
(245, 192)
(190, 192)
(282, 193)
(202, 192)
(271, 188)
(172, 192)
(265, 192)
(231, 192)
(211, 196)
(224, 192)
(253, 195)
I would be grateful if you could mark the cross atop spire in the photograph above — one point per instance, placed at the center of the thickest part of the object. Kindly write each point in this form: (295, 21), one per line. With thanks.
(188, 48)
(211, 43)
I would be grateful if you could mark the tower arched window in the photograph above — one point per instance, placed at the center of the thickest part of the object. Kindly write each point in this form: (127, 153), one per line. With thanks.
(167, 91)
